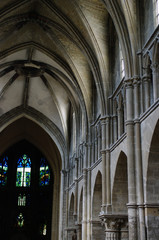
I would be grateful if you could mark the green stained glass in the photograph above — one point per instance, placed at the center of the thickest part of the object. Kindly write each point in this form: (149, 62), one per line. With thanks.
(44, 172)
(20, 220)
(23, 171)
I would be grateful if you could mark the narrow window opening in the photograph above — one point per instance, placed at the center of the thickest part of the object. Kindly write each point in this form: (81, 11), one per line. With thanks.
(22, 200)
(3, 171)
(44, 172)
(23, 171)
(122, 67)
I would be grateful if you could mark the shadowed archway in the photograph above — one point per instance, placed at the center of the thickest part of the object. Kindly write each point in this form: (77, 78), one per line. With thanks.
(30, 132)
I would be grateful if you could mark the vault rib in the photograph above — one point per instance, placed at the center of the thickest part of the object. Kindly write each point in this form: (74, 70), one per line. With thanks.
(8, 84)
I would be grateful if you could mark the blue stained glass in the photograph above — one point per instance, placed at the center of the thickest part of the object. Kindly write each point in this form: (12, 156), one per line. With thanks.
(44, 173)
(3, 171)
(23, 171)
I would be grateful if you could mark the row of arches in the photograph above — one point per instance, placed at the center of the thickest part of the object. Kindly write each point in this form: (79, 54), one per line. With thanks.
(119, 195)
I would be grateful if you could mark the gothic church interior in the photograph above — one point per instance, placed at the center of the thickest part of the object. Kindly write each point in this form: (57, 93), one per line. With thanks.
(79, 119)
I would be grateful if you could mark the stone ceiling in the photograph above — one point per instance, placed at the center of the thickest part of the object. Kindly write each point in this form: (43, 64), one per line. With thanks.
(52, 54)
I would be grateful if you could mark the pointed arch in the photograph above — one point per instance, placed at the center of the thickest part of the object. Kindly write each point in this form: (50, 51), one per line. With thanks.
(120, 186)
(22, 136)
(152, 193)
(152, 186)
(71, 211)
(80, 207)
(97, 229)
(40, 120)
(122, 30)
(97, 196)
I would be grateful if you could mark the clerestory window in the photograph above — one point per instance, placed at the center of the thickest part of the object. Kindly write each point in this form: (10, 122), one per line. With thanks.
(122, 67)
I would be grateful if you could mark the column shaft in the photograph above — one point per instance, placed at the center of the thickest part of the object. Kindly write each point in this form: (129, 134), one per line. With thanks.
(89, 195)
(61, 233)
(108, 187)
(138, 162)
(155, 68)
(132, 216)
(84, 221)
(103, 125)
(147, 92)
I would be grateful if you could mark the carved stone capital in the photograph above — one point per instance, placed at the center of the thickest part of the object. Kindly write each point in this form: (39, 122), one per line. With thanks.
(114, 222)
(103, 151)
(128, 82)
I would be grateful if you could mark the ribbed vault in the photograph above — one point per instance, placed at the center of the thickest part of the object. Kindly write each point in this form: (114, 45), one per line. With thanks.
(55, 53)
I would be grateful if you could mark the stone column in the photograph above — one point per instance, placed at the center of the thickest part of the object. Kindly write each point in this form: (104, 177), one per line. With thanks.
(132, 217)
(103, 152)
(62, 205)
(155, 70)
(138, 161)
(89, 194)
(120, 116)
(115, 123)
(76, 189)
(146, 82)
(89, 205)
(84, 220)
(98, 136)
(96, 144)
(67, 202)
(116, 227)
(108, 185)
(111, 121)
(93, 145)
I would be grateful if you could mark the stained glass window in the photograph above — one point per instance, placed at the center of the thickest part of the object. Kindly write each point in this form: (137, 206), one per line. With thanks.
(43, 229)
(20, 220)
(23, 171)
(21, 200)
(3, 171)
(44, 172)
